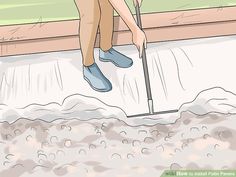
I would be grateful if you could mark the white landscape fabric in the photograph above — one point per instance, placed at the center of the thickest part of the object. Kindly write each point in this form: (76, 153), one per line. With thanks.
(178, 72)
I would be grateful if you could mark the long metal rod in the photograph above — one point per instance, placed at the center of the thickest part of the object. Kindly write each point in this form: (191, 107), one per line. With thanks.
(156, 113)
(145, 66)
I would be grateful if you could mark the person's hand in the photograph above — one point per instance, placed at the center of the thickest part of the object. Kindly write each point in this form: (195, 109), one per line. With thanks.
(139, 40)
(137, 2)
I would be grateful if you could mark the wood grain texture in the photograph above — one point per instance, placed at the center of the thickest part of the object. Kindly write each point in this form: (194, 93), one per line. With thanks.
(63, 35)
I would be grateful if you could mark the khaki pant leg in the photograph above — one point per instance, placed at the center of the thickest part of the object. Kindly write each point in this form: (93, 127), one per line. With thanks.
(106, 25)
(89, 11)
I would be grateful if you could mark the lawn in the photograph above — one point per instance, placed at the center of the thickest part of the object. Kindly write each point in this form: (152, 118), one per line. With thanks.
(31, 11)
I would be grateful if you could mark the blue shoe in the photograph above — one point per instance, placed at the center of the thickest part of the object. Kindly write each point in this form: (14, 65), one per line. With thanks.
(95, 78)
(116, 58)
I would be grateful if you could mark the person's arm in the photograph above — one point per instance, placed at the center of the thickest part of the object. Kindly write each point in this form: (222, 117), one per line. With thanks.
(139, 38)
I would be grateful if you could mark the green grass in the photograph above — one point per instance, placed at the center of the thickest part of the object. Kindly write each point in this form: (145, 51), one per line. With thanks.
(30, 11)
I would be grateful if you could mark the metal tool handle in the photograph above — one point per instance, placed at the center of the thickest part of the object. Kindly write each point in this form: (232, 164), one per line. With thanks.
(145, 66)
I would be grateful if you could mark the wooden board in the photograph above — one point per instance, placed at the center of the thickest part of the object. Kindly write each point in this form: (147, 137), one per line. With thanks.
(63, 35)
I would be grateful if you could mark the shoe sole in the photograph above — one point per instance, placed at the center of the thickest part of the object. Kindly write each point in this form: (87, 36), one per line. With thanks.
(105, 60)
(94, 88)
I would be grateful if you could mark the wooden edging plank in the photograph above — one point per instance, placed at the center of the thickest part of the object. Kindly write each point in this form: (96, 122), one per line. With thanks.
(153, 20)
(63, 35)
(121, 38)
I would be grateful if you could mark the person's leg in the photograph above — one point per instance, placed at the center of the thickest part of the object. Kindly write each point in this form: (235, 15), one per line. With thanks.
(106, 25)
(89, 20)
(107, 53)
(89, 11)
